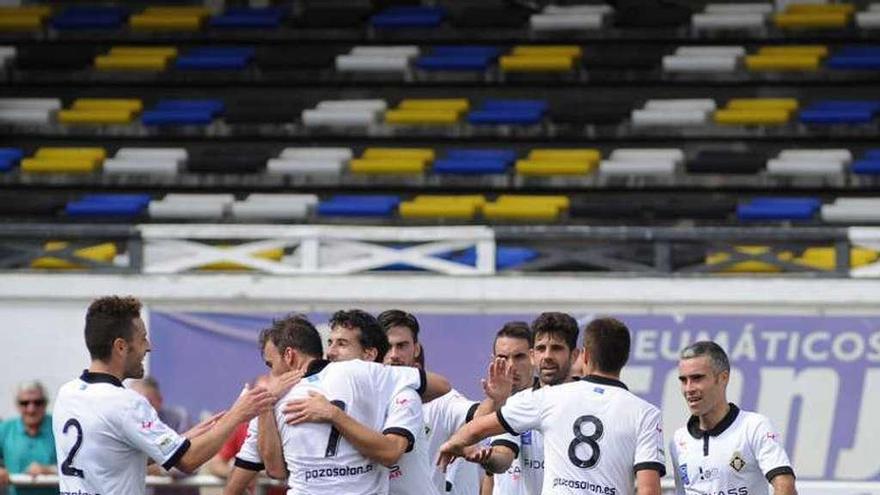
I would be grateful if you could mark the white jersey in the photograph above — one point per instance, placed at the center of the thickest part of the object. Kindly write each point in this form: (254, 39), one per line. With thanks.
(525, 476)
(597, 434)
(320, 461)
(248, 456)
(739, 456)
(104, 434)
(443, 417)
(413, 473)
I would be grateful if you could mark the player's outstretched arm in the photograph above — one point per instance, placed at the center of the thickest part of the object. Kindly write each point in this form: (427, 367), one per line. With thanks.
(238, 481)
(647, 482)
(469, 434)
(385, 449)
(208, 443)
(783, 484)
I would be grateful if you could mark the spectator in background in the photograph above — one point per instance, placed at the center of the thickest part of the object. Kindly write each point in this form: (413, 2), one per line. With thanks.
(27, 444)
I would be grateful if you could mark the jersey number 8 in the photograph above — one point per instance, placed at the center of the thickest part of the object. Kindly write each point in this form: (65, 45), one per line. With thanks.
(591, 440)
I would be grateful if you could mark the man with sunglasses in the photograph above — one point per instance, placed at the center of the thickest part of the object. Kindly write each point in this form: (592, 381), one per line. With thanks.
(27, 444)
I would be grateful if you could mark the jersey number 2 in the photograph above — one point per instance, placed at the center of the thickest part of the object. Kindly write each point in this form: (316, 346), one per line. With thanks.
(333, 441)
(591, 440)
(67, 468)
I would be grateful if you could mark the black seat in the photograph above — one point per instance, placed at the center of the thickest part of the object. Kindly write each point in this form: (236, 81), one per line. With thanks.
(605, 113)
(489, 16)
(21, 204)
(54, 58)
(228, 161)
(726, 162)
(304, 58)
(335, 16)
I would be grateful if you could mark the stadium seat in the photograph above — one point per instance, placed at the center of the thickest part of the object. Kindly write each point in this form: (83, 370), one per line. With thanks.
(64, 160)
(703, 59)
(344, 113)
(248, 17)
(7, 55)
(101, 253)
(89, 17)
(333, 15)
(852, 211)
(100, 111)
(392, 161)
(136, 58)
(726, 162)
(536, 58)
(508, 112)
(474, 162)
(23, 18)
(10, 158)
(215, 58)
(794, 209)
(526, 208)
(231, 160)
(452, 207)
(814, 16)
(182, 112)
(284, 207)
(108, 205)
(840, 112)
(193, 207)
(810, 162)
(713, 19)
(756, 111)
(358, 206)
(28, 111)
(458, 58)
(640, 162)
(477, 15)
(548, 162)
(673, 112)
(856, 58)
(408, 17)
(154, 18)
(787, 58)
(329, 162)
(426, 111)
(556, 18)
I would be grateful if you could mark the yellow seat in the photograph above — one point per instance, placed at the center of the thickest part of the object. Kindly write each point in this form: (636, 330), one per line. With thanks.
(521, 211)
(131, 104)
(38, 10)
(824, 20)
(274, 254)
(430, 117)
(131, 62)
(457, 104)
(20, 22)
(554, 167)
(477, 200)
(808, 8)
(815, 50)
(536, 63)
(158, 51)
(581, 154)
(782, 63)
(749, 266)
(426, 154)
(752, 117)
(96, 116)
(790, 104)
(388, 166)
(104, 253)
(560, 202)
(464, 210)
(69, 165)
(150, 22)
(825, 258)
(564, 50)
(94, 153)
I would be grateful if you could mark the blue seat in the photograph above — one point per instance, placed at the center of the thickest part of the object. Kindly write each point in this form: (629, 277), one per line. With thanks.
(9, 158)
(505, 117)
(462, 50)
(408, 17)
(835, 116)
(359, 206)
(142, 199)
(470, 166)
(243, 17)
(234, 58)
(108, 205)
(872, 154)
(212, 106)
(177, 117)
(870, 105)
(778, 209)
(867, 166)
(506, 257)
(86, 17)
(454, 62)
(533, 105)
(854, 62)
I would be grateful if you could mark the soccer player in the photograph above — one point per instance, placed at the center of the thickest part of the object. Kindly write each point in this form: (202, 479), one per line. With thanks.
(723, 449)
(598, 436)
(104, 432)
(555, 352)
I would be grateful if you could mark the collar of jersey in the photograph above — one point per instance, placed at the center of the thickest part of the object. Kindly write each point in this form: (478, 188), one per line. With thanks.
(693, 425)
(601, 380)
(316, 367)
(89, 377)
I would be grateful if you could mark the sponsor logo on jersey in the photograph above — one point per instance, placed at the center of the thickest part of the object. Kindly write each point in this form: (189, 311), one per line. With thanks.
(526, 437)
(683, 474)
(584, 485)
(337, 471)
(737, 462)
(165, 444)
(707, 474)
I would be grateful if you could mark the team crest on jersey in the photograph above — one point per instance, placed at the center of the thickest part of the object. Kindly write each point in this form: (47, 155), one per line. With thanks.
(526, 438)
(683, 474)
(737, 462)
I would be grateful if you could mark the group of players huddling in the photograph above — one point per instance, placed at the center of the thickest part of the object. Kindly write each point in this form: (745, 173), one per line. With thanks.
(363, 417)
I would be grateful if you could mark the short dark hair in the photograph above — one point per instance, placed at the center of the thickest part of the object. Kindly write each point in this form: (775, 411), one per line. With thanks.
(371, 334)
(294, 331)
(607, 340)
(559, 324)
(514, 330)
(107, 319)
(717, 356)
(397, 318)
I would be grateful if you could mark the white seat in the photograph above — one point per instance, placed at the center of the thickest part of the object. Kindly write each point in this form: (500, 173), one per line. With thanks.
(673, 155)
(613, 167)
(870, 19)
(372, 63)
(728, 21)
(30, 103)
(141, 166)
(25, 116)
(305, 166)
(181, 155)
(850, 214)
(667, 117)
(566, 22)
(194, 198)
(307, 199)
(699, 63)
(180, 210)
(711, 50)
(7, 53)
(578, 9)
(374, 104)
(858, 202)
(804, 168)
(268, 210)
(409, 51)
(843, 156)
(705, 104)
(340, 117)
(734, 8)
(320, 153)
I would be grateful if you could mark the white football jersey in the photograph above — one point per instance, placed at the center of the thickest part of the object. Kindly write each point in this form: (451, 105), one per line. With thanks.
(525, 476)
(597, 434)
(320, 461)
(248, 456)
(739, 456)
(443, 417)
(413, 473)
(104, 434)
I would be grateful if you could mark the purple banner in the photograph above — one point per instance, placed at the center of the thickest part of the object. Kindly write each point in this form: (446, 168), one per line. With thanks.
(817, 378)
